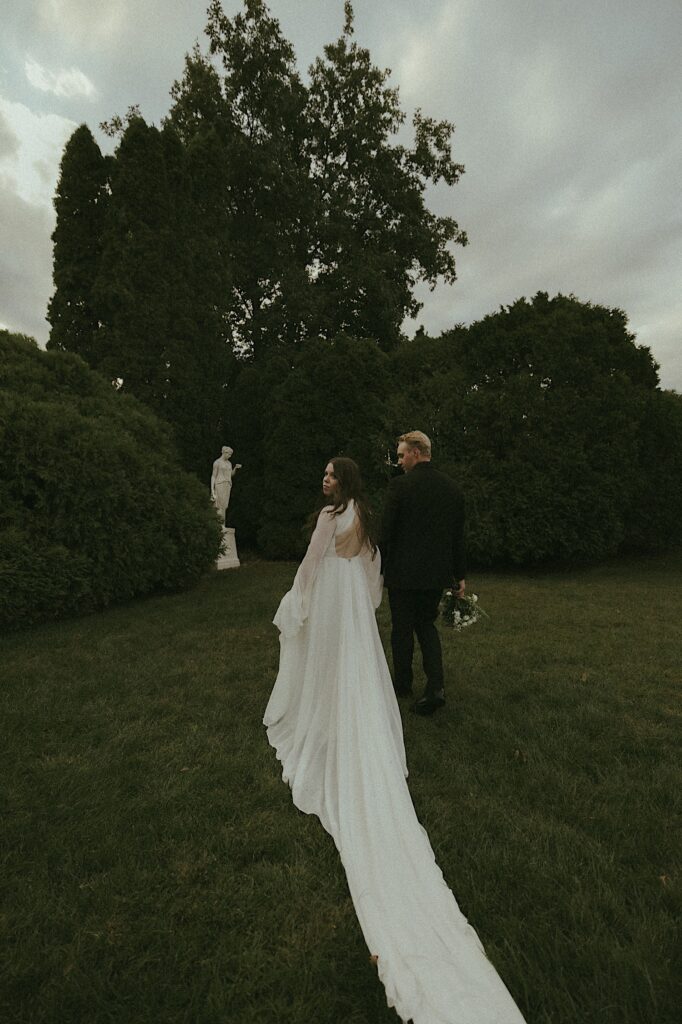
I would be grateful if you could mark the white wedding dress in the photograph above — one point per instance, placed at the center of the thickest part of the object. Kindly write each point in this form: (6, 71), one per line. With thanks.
(334, 722)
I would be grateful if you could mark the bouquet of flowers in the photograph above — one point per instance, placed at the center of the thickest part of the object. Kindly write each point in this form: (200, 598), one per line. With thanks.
(459, 612)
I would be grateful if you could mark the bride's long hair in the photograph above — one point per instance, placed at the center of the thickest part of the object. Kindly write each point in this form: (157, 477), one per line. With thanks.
(349, 486)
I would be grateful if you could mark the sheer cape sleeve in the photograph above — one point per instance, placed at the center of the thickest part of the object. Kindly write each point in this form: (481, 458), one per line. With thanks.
(372, 567)
(294, 606)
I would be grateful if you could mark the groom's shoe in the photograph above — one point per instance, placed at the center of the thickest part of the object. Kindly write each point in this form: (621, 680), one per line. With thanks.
(429, 703)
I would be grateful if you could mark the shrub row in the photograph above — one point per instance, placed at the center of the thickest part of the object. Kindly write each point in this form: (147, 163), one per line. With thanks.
(94, 507)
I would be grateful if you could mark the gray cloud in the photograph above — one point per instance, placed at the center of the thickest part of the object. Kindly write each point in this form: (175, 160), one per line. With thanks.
(25, 263)
(567, 122)
(9, 142)
(61, 83)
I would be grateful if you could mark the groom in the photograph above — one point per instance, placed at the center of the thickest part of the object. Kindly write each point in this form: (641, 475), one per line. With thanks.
(423, 550)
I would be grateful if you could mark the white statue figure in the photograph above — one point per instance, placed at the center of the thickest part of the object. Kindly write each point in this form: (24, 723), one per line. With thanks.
(221, 481)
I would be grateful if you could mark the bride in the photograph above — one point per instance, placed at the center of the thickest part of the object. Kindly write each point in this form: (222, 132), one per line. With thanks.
(334, 722)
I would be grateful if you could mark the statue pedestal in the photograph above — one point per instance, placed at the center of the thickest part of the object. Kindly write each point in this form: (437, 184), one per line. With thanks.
(228, 558)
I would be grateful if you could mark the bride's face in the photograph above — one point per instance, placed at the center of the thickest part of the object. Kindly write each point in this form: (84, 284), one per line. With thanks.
(330, 484)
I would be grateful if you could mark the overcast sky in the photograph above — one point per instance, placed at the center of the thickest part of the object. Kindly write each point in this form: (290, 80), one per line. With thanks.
(568, 120)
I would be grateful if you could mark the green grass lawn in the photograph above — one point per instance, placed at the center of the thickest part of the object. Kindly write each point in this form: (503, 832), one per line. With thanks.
(154, 868)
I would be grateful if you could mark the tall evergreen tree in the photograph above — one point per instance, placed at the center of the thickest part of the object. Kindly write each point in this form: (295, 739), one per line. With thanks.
(199, 355)
(81, 203)
(133, 286)
(162, 284)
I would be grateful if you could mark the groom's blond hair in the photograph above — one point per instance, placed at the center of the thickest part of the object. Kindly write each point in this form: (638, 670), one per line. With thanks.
(416, 439)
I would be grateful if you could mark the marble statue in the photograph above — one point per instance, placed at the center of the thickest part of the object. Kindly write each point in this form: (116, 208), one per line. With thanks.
(221, 488)
(221, 481)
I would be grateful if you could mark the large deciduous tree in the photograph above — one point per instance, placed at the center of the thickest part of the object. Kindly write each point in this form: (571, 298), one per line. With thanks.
(253, 115)
(329, 227)
(374, 237)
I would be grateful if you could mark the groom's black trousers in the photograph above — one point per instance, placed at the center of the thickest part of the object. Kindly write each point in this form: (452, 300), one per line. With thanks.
(415, 611)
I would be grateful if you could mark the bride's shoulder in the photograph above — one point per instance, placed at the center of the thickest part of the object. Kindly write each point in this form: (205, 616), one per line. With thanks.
(332, 511)
(345, 518)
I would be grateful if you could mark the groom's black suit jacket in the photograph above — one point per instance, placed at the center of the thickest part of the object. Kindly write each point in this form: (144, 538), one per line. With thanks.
(422, 537)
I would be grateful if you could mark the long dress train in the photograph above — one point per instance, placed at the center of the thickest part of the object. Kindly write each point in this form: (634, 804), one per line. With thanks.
(334, 722)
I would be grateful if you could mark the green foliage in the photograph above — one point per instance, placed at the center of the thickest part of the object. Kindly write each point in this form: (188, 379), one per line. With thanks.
(94, 507)
(266, 212)
(134, 284)
(241, 270)
(329, 229)
(374, 237)
(331, 403)
(655, 513)
(153, 279)
(250, 415)
(81, 204)
(549, 415)
(256, 117)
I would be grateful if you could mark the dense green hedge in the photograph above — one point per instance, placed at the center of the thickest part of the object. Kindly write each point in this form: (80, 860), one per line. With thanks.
(94, 507)
(547, 412)
(331, 402)
(551, 418)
